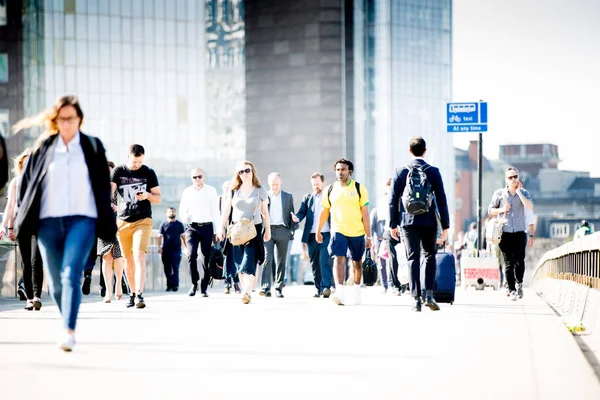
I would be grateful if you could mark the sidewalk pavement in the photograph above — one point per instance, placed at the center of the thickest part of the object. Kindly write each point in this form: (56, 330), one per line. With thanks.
(482, 347)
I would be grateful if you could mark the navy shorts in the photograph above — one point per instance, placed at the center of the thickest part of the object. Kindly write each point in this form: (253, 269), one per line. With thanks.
(347, 246)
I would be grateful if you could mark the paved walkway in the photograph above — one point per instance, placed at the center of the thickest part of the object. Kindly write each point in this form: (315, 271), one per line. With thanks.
(482, 347)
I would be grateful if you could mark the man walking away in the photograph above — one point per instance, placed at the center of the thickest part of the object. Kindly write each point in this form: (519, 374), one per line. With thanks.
(415, 188)
(347, 202)
(170, 242)
(137, 189)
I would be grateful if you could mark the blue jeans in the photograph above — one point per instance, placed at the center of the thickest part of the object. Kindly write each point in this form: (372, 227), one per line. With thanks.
(65, 245)
(320, 261)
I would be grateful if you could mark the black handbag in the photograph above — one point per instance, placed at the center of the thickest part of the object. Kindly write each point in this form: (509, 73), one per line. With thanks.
(369, 270)
(216, 263)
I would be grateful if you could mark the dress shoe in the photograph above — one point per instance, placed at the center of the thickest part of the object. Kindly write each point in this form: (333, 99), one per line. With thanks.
(417, 305)
(430, 301)
(168, 289)
(87, 282)
(102, 292)
(326, 293)
(204, 294)
(193, 290)
(175, 288)
(279, 294)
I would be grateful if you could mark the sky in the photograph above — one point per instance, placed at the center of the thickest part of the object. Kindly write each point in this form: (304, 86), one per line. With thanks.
(537, 64)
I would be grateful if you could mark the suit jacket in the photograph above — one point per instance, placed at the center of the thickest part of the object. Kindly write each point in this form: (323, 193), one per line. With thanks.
(30, 193)
(307, 210)
(287, 206)
(397, 214)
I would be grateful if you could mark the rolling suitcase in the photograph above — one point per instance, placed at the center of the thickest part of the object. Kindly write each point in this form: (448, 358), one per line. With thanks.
(445, 278)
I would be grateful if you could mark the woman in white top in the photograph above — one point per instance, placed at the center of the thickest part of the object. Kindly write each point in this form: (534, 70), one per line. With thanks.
(64, 197)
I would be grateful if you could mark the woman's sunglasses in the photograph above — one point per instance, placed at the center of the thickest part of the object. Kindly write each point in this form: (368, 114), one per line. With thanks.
(245, 171)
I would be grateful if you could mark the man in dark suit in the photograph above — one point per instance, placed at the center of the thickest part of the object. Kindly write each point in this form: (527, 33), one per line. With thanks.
(281, 208)
(320, 260)
(419, 229)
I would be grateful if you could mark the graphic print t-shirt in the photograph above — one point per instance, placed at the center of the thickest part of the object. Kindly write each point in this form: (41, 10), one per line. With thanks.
(129, 183)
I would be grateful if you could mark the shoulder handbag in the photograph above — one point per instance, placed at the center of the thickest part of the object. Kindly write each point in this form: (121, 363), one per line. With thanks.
(494, 228)
(241, 232)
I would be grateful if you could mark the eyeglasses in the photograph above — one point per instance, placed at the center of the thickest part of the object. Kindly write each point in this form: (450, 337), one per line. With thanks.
(245, 171)
(70, 120)
(512, 177)
(197, 177)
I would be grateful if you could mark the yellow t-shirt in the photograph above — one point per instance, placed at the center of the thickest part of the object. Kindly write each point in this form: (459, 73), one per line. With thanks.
(345, 210)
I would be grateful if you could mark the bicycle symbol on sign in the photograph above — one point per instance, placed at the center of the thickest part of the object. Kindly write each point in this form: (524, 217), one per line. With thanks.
(455, 118)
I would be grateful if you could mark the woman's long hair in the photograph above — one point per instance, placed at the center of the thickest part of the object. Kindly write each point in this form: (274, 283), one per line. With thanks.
(48, 118)
(237, 181)
(19, 161)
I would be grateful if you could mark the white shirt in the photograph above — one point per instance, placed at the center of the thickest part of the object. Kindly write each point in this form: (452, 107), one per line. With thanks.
(317, 204)
(276, 209)
(200, 205)
(66, 187)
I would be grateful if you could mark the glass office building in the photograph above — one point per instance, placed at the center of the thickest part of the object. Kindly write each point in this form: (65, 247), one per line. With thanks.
(403, 48)
(167, 74)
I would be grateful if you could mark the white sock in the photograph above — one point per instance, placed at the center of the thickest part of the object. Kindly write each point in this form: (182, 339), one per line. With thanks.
(356, 294)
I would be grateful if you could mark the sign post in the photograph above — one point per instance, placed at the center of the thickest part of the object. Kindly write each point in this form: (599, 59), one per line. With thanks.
(471, 117)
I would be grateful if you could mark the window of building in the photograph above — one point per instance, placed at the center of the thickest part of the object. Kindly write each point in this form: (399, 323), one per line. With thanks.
(3, 68)
(3, 20)
(4, 131)
(559, 230)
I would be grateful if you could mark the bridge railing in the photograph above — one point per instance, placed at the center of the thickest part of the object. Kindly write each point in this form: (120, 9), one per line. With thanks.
(577, 261)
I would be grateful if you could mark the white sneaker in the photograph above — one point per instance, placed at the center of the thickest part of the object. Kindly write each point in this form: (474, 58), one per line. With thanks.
(338, 296)
(513, 295)
(68, 342)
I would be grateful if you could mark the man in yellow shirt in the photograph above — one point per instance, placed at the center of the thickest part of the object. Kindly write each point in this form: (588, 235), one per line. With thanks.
(347, 202)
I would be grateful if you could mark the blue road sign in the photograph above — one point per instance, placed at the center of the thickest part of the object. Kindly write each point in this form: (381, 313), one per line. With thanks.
(466, 117)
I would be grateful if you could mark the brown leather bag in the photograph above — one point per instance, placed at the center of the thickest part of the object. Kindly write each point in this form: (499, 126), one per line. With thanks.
(241, 232)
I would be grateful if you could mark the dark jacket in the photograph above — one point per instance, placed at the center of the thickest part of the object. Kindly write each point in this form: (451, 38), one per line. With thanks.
(30, 193)
(307, 210)
(397, 214)
(287, 206)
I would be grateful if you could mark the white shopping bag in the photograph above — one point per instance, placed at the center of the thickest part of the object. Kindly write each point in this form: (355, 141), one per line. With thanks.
(403, 273)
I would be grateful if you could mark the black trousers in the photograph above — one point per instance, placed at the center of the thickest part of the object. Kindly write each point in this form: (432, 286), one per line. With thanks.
(391, 245)
(197, 235)
(33, 267)
(512, 246)
(415, 236)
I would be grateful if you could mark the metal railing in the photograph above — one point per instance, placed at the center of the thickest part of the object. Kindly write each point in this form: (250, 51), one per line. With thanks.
(577, 261)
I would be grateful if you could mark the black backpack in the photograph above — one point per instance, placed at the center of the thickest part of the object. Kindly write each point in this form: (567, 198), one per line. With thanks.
(417, 196)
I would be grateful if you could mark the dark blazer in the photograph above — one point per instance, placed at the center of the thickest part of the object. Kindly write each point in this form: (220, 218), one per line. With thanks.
(307, 210)
(397, 214)
(287, 205)
(30, 193)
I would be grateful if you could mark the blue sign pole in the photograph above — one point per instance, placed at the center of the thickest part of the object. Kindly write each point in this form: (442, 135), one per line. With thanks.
(471, 117)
